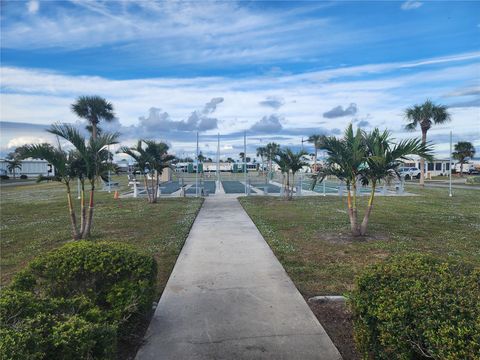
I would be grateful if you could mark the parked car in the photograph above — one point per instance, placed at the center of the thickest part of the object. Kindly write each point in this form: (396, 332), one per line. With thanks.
(409, 173)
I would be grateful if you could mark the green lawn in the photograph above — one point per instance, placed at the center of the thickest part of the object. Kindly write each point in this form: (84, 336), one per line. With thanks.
(34, 220)
(310, 235)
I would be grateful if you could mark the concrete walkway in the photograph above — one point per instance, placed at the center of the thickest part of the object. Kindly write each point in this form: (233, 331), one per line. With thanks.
(228, 297)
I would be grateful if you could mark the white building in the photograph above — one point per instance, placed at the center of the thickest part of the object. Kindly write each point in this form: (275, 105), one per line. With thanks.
(437, 167)
(30, 167)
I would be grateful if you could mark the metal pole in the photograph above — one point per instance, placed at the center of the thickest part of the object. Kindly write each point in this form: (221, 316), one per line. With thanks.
(301, 175)
(245, 160)
(196, 172)
(450, 167)
(218, 158)
(109, 179)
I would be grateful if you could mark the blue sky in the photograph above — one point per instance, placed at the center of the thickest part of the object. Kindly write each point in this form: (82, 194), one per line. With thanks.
(280, 70)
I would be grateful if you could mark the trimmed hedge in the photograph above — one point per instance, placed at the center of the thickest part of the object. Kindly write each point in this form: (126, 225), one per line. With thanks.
(76, 302)
(418, 307)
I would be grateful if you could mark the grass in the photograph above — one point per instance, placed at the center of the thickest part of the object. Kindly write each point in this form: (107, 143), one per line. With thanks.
(310, 235)
(34, 220)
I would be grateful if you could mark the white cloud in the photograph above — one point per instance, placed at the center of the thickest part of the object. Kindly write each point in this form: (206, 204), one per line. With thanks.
(33, 6)
(22, 140)
(44, 97)
(411, 4)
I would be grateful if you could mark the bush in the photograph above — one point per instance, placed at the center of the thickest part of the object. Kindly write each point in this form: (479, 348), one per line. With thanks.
(4, 177)
(418, 307)
(23, 176)
(74, 302)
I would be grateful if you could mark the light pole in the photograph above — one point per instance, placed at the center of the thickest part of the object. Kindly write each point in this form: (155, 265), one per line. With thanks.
(196, 172)
(450, 167)
(245, 160)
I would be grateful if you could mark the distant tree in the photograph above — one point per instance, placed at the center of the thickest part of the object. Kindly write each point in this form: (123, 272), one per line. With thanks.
(425, 115)
(14, 164)
(230, 160)
(289, 162)
(152, 158)
(201, 157)
(262, 153)
(272, 150)
(242, 156)
(464, 150)
(93, 109)
(317, 141)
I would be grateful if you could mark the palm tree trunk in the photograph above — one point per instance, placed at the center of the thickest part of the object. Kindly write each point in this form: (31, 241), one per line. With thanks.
(352, 209)
(94, 130)
(88, 225)
(71, 210)
(422, 160)
(315, 160)
(145, 182)
(366, 217)
(293, 185)
(461, 169)
(153, 190)
(83, 208)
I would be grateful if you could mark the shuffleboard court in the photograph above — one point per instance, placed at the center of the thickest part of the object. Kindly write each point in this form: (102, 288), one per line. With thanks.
(169, 187)
(271, 189)
(207, 185)
(234, 187)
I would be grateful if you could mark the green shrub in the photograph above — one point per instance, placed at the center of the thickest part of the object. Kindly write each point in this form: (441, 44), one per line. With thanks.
(4, 177)
(23, 176)
(74, 302)
(418, 307)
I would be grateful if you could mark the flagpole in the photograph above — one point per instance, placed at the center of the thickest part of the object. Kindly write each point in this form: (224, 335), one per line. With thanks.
(218, 158)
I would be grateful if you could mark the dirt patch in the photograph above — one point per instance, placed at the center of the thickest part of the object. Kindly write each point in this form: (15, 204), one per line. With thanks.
(347, 238)
(336, 319)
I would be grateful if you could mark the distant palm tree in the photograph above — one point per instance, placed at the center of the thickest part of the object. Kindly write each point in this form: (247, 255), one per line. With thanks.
(151, 159)
(201, 158)
(425, 115)
(463, 151)
(242, 156)
(288, 161)
(93, 109)
(272, 151)
(262, 152)
(14, 164)
(317, 141)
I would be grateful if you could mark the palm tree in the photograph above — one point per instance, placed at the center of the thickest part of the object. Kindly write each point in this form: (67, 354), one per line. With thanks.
(463, 151)
(425, 115)
(317, 141)
(281, 160)
(288, 161)
(151, 160)
(383, 160)
(242, 156)
(272, 151)
(64, 170)
(94, 157)
(93, 109)
(262, 152)
(346, 157)
(369, 158)
(201, 158)
(13, 164)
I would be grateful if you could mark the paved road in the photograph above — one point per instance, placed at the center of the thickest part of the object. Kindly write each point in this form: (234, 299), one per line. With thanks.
(229, 298)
